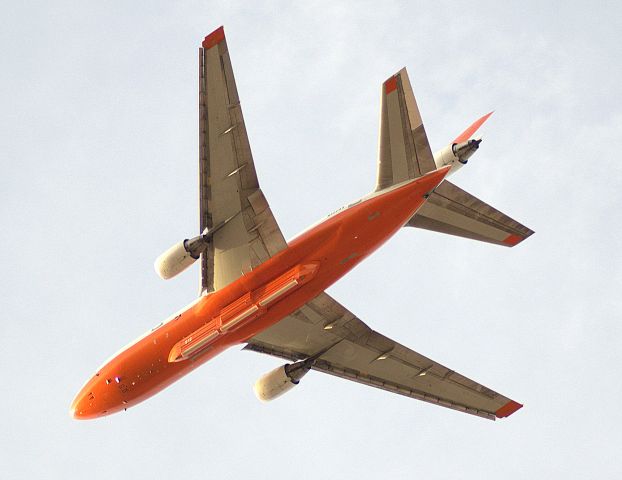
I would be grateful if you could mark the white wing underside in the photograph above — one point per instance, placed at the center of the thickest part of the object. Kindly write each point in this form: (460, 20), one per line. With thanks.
(228, 185)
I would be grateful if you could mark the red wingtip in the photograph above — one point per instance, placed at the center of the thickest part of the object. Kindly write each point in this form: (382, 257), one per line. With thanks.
(508, 409)
(512, 240)
(390, 84)
(468, 133)
(214, 38)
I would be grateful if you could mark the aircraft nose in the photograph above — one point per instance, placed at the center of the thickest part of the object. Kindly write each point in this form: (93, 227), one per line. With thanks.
(82, 405)
(99, 397)
(86, 403)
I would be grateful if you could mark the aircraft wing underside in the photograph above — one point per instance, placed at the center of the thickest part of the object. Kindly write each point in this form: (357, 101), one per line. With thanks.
(230, 200)
(353, 351)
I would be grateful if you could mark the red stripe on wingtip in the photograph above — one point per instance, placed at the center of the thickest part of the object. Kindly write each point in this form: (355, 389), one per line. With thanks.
(508, 409)
(390, 85)
(512, 240)
(214, 38)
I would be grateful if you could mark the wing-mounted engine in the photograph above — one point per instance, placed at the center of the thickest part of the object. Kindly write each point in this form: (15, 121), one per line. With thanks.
(180, 256)
(280, 380)
(183, 254)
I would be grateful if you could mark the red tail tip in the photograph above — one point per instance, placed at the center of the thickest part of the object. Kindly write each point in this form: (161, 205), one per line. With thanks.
(468, 133)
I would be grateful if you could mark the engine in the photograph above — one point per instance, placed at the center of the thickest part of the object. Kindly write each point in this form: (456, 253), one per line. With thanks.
(180, 256)
(280, 380)
(456, 154)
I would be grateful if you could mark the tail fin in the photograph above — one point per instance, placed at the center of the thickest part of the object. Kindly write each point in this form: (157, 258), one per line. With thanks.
(403, 151)
(468, 133)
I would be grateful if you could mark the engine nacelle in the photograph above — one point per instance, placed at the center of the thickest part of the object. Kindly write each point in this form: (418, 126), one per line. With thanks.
(280, 380)
(174, 261)
(456, 154)
(181, 255)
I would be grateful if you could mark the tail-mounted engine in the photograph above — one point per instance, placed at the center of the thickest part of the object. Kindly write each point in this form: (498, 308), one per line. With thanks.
(456, 154)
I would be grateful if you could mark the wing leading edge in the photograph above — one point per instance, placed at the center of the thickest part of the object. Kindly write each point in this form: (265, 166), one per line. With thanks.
(230, 200)
(355, 352)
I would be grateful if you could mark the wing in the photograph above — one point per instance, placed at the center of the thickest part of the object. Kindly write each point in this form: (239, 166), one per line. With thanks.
(403, 148)
(355, 352)
(451, 210)
(230, 198)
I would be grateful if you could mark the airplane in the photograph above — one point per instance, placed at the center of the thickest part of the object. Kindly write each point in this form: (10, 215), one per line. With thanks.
(268, 294)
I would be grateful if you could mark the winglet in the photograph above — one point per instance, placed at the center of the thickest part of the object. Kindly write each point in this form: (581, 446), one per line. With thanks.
(214, 38)
(508, 409)
(468, 133)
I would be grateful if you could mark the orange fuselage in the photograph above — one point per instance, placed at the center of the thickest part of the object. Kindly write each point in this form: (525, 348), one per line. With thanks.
(311, 263)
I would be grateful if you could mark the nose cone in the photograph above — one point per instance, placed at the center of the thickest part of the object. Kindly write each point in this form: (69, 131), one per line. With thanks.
(83, 405)
(77, 409)
(89, 402)
(99, 397)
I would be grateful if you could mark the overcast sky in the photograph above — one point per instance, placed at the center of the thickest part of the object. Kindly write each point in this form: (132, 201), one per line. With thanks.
(99, 160)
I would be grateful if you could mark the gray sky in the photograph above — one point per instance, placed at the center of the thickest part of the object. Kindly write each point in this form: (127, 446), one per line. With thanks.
(99, 152)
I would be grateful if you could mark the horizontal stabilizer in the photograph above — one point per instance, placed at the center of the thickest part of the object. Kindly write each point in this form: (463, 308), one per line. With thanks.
(451, 210)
